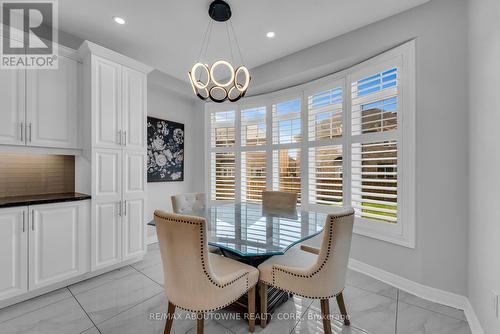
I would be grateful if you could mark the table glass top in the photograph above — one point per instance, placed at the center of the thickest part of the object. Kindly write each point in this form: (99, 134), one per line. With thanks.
(248, 230)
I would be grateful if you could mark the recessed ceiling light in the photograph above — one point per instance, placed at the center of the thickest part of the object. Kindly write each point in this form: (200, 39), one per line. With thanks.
(119, 20)
(270, 34)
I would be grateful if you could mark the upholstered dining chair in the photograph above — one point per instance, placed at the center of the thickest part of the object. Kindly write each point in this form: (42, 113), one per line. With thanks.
(196, 280)
(279, 200)
(311, 272)
(186, 203)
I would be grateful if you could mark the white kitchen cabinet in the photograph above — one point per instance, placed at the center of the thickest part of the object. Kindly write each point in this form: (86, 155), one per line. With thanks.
(106, 234)
(107, 175)
(134, 108)
(133, 228)
(106, 103)
(13, 252)
(12, 113)
(52, 105)
(58, 242)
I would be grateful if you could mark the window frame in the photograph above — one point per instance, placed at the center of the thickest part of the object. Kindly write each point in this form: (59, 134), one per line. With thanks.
(403, 56)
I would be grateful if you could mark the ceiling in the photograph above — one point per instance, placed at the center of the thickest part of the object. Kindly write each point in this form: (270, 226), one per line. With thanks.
(167, 35)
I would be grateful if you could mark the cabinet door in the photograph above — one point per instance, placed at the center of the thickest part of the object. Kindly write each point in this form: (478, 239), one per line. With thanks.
(134, 218)
(13, 252)
(134, 105)
(12, 124)
(134, 228)
(106, 234)
(52, 105)
(58, 242)
(106, 103)
(106, 175)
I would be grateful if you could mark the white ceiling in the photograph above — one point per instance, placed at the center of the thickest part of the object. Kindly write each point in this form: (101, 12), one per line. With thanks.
(167, 34)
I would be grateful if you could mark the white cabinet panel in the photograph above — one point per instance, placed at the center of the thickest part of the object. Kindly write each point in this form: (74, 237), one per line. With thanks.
(134, 107)
(58, 242)
(106, 103)
(12, 115)
(134, 229)
(134, 173)
(13, 252)
(107, 174)
(106, 234)
(52, 105)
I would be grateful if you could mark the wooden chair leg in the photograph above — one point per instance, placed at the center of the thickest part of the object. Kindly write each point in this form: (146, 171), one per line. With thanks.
(251, 310)
(325, 314)
(343, 310)
(170, 318)
(263, 304)
(200, 323)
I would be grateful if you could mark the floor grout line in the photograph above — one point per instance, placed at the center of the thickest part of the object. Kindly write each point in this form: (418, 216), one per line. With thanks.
(140, 272)
(437, 312)
(103, 283)
(36, 309)
(84, 311)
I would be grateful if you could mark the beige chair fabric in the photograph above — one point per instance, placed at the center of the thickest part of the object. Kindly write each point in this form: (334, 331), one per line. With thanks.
(186, 203)
(310, 272)
(279, 200)
(196, 280)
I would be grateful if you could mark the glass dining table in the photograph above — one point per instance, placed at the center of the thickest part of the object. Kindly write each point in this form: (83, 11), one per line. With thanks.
(251, 234)
(249, 231)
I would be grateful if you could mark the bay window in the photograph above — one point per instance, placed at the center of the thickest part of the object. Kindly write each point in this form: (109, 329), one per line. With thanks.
(344, 140)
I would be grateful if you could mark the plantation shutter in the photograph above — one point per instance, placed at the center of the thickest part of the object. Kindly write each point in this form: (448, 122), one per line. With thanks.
(375, 100)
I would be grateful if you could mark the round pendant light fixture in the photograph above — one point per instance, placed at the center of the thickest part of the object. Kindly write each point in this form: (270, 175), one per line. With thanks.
(230, 87)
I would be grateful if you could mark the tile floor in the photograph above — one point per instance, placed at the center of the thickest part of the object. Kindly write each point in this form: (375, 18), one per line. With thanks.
(123, 302)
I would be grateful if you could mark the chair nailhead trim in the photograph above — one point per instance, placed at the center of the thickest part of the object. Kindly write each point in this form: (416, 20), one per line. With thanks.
(199, 224)
(301, 295)
(330, 237)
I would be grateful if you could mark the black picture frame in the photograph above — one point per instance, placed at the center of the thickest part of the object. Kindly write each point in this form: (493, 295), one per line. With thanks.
(165, 150)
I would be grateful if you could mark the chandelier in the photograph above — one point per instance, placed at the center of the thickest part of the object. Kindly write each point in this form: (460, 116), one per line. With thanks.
(202, 76)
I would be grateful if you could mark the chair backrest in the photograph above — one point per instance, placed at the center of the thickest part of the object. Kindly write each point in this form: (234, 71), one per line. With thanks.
(279, 200)
(186, 203)
(333, 256)
(184, 253)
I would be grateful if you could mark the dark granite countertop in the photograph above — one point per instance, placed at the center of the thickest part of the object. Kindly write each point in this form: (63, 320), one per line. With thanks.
(12, 201)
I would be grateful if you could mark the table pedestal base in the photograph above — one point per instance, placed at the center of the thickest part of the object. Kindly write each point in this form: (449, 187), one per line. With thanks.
(275, 297)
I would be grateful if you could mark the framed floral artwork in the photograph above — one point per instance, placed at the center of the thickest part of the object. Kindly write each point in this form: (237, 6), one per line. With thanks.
(165, 150)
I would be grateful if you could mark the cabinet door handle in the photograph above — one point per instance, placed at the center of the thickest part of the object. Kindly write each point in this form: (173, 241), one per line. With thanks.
(125, 138)
(22, 131)
(33, 220)
(120, 209)
(30, 132)
(24, 221)
(119, 137)
(125, 207)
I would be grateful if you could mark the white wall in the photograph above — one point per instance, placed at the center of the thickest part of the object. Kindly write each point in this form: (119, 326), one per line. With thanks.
(484, 229)
(166, 104)
(440, 28)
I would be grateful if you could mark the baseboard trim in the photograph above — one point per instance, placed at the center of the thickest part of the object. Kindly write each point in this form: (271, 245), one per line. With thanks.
(422, 291)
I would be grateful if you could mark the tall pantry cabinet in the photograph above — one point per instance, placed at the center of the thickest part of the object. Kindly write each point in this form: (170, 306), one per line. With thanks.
(115, 111)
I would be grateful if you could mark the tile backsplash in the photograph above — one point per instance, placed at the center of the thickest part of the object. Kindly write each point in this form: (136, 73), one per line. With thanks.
(36, 174)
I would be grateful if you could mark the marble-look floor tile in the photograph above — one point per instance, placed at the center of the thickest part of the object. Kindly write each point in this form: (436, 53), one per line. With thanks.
(416, 320)
(155, 273)
(92, 330)
(147, 317)
(368, 311)
(431, 306)
(312, 323)
(151, 258)
(211, 327)
(368, 283)
(282, 321)
(97, 281)
(62, 317)
(111, 298)
(30, 305)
